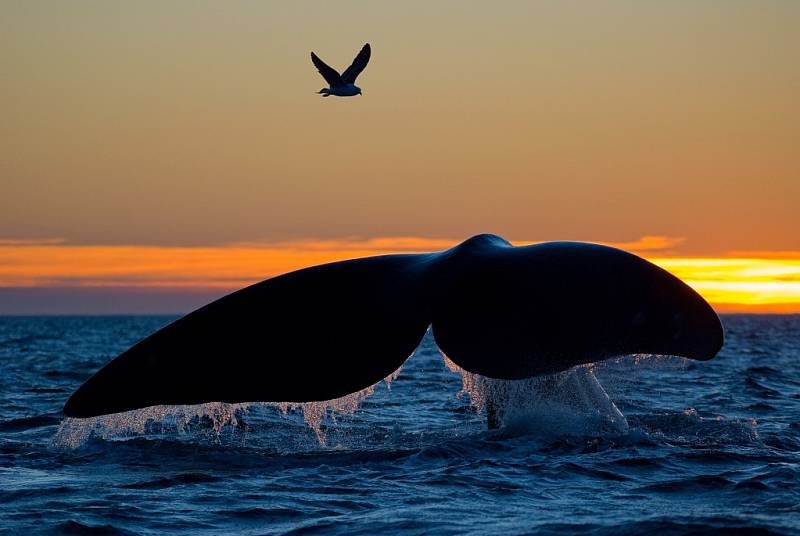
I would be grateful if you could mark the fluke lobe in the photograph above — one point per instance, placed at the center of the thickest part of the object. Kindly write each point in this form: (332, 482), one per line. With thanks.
(326, 331)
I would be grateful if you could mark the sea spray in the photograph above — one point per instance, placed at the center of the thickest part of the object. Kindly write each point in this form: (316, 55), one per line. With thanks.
(73, 433)
(571, 402)
(314, 413)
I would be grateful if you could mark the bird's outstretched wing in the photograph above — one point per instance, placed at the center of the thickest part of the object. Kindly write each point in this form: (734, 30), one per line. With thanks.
(328, 73)
(352, 72)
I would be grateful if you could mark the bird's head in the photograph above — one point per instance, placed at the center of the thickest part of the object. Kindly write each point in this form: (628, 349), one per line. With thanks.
(359, 91)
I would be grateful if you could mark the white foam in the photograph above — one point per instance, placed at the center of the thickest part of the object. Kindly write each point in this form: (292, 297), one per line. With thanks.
(73, 433)
(568, 403)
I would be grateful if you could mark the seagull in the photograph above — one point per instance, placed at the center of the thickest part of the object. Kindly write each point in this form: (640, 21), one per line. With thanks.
(342, 85)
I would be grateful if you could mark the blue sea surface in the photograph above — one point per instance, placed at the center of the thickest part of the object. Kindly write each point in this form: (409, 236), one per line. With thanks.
(709, 447)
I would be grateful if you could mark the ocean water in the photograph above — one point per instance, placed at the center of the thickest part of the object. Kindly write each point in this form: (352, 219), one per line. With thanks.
(665, 446)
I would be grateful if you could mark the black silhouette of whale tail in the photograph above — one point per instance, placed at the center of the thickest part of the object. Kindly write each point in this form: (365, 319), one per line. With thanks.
(327, 331)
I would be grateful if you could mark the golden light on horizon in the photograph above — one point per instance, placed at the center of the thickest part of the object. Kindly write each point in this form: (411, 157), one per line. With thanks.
(741, 283)
(735, 284)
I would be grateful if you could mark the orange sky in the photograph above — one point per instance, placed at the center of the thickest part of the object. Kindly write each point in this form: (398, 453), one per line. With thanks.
(147, 137)
(741, 283)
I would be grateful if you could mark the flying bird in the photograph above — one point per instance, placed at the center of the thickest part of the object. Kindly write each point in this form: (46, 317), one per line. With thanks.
(342, 85)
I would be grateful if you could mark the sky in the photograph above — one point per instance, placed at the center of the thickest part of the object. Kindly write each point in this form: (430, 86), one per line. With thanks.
(155, 155)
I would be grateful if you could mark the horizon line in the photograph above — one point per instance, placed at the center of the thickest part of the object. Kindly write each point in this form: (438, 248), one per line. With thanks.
(742, 282)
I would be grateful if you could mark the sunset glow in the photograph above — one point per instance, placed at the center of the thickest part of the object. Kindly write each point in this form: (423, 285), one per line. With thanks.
(735, 284)
(162, 149)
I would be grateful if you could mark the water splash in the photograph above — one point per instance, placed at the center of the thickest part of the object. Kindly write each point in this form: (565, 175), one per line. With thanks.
(568, 403)
(314, 413)
(73, 433)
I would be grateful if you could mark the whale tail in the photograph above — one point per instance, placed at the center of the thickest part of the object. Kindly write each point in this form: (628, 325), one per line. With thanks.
(311, 335)
(327, 331)
(548, 307)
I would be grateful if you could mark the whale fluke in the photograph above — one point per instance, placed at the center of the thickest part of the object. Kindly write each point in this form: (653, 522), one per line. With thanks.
(517, 312)
(315, 334)
(327, 331)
